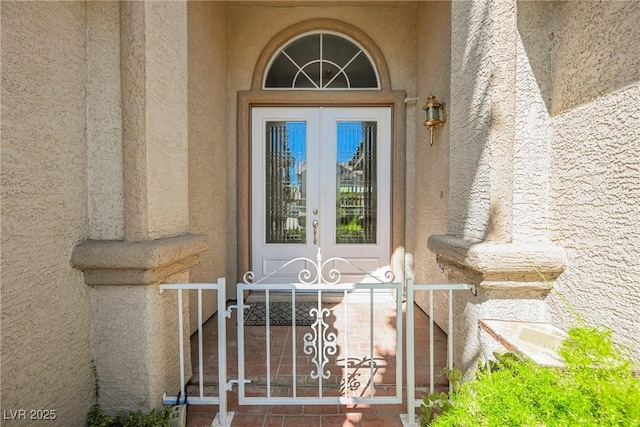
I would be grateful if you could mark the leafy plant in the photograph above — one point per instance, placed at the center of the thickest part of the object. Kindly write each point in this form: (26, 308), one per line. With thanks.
(353, 226)
(97, 418)
(439, 401)
(596, 388)
(350, 232)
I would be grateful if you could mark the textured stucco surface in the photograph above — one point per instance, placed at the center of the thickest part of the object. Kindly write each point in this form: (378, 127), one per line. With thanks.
(595, 50)
(500, 127)
(153, 56)
(66, 177)
(115, 262)
(431, 192)
(480, 62)
(595, 184)
(46, 307)
(388, 25)
(167, 126)
(135, 328)
(542, 144)
(104, 122)
(489, 304)
(207, 39)
(595, 213)
(574, 127)
(533, 133)
(499, 170)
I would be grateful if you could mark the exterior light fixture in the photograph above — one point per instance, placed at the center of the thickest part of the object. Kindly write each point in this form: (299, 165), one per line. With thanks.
(436, 115)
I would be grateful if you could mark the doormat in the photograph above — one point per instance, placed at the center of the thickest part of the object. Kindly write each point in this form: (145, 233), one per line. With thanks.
(279, 314)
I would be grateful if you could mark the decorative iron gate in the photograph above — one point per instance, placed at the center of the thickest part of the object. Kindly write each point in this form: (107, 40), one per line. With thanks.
(327, 351)
(323, 369)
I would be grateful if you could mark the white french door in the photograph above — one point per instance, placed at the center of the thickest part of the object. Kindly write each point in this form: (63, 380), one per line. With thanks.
(321, 178)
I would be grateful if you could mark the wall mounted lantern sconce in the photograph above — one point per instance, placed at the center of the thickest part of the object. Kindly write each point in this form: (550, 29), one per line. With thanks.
(436, 115)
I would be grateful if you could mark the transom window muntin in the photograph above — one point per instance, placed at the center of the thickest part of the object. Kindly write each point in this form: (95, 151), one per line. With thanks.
(321, 61)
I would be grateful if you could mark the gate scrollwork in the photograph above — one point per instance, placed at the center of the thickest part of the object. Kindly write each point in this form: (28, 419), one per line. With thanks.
(320, 343)
(318, 274)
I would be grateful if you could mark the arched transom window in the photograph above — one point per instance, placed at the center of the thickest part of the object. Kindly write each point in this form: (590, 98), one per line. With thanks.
(321, 61)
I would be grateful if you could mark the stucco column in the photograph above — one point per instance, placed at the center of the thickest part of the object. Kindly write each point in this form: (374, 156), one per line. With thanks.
(135, 345)
(497, 236)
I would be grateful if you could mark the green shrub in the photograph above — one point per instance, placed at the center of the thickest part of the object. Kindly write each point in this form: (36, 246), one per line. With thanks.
(97, 418)
(596, 388)
(439, 401)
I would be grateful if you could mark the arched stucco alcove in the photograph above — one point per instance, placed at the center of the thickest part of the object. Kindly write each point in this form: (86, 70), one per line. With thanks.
(382, 96)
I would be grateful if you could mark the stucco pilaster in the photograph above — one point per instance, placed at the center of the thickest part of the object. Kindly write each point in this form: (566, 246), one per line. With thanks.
(134, 326)
(135, 345)
(134, 135)
(482, 124)
(153, 55)
(104, 122)
(499, 175)
(499, 171)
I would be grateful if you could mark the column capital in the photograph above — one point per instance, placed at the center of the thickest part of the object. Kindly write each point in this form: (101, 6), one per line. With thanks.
(497, 265)
(117, 262)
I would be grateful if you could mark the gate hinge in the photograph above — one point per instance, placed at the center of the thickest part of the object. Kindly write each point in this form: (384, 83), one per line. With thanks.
(227, 312)
(230, 384)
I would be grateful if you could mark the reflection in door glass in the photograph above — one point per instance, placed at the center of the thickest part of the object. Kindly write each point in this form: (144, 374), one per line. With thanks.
(285, 182)
(356, 183)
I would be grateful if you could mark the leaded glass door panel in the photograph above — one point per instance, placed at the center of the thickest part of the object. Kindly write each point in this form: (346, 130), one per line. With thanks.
(321, 178)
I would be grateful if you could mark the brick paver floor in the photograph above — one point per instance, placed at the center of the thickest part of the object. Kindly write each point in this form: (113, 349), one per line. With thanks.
(350, 324)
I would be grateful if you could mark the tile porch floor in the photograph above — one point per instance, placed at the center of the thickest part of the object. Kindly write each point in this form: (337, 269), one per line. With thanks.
(352, 324)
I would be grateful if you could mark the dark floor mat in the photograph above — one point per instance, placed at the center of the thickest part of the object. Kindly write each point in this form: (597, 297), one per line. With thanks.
(279, 314)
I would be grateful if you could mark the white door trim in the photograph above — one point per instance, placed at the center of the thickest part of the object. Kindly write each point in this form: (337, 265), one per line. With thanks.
(321, 135)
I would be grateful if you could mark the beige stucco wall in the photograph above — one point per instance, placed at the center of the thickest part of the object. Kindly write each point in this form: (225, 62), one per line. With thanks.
(431, 191)
(595, 184)
(135, 336)
(433, 69)
(67, 177)
(135, 328)
(153, 59)
(207, 42)
(46, 307)
(498, 176)
(390, 25)
(482, 121)
(570, 129)
(532, 147)
(104, 122)
(166, 114)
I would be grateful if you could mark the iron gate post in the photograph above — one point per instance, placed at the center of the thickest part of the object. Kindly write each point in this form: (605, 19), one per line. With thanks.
(223, 418)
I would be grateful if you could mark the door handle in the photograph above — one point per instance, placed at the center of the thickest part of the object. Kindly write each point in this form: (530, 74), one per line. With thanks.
(315, 231)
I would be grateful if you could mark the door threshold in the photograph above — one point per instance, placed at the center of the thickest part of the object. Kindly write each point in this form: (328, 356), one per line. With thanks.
(327, 296)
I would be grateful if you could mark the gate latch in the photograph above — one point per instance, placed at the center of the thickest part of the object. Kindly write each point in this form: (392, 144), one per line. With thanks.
(230, 384)
(227, 312)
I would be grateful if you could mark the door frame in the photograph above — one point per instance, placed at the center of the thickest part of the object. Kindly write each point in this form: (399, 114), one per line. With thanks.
(320, 202)
(374, 98)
